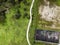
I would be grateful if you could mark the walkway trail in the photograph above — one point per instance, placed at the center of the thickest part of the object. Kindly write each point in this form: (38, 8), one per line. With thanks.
(27, 34)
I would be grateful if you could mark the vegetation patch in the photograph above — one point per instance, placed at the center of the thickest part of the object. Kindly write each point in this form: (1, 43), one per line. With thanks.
(12, 33)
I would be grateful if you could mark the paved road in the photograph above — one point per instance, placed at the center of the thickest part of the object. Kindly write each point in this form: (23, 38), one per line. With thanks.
(27, 34)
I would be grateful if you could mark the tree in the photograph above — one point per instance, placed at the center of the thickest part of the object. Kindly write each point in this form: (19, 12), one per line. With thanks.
(25, 9)
(2, 1)
(24, 1)
(12, 1)
(2, 16)
(17, 15)
(19, 1)
(26, 16)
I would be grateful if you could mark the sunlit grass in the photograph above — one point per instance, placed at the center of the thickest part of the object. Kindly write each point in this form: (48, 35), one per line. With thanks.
(13, 32)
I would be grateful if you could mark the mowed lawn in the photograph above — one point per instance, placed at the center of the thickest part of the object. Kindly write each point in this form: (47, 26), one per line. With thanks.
(13, 32)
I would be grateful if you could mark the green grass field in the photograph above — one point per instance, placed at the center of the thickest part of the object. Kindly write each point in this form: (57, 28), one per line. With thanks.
(13, 32)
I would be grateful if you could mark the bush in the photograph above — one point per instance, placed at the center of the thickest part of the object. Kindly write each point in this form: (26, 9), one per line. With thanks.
(2, 17)
(12, 1)
(17, 15)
